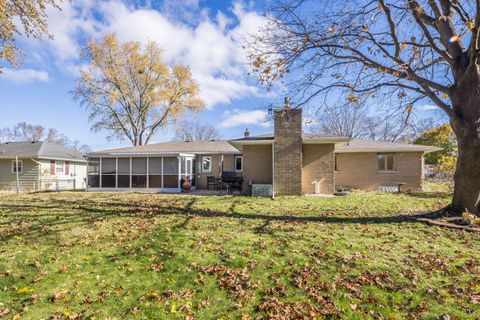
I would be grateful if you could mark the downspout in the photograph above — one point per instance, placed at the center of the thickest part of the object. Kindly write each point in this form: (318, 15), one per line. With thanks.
(422, 172)
(273, 169)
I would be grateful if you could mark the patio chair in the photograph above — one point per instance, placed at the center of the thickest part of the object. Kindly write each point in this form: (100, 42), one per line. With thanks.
(212, 181)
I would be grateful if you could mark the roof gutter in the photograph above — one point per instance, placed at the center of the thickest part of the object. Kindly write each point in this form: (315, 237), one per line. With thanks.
(387, 150)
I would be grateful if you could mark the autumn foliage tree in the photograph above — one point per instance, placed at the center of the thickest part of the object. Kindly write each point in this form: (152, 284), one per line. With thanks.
(442, 137)
(130, 91)
(395, 53)
(17, 17)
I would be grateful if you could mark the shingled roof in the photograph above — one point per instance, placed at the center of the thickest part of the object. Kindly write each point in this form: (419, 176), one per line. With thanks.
(170, 147)
(305, 136)
(360, 145)
(39, 150)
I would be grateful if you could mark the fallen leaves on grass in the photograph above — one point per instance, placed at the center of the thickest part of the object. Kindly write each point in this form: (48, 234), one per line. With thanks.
(272, 308)
(4, 312)
(236, 281)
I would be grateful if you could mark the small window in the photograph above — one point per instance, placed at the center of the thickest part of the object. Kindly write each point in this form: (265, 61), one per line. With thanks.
(386, 162)
(17, 166)
(336, 163)
(207, 164)
(238, 163)
(59, 166)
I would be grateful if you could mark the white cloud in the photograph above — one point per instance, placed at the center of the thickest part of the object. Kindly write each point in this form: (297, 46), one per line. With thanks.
(237, 117)
(429, 107)
(212, 47)
(24, 76)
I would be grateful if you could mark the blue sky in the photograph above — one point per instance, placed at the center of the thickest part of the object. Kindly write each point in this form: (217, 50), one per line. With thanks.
(207, 35)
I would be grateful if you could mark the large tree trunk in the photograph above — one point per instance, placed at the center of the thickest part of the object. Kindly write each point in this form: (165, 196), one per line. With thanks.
(466, 195)
(466, 125)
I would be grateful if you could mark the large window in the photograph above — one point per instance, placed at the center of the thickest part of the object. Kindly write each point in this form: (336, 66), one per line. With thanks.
(139, 172)
(207, 164)
(17, 167)
(123, 179)
(93, 172)
(109, 171)
(238, 163)
(386, 162)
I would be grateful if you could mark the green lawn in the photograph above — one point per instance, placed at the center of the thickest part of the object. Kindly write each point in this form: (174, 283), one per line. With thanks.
(141, 256)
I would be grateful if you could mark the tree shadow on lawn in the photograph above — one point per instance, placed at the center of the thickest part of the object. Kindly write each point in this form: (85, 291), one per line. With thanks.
(428, 195)
(48, 219)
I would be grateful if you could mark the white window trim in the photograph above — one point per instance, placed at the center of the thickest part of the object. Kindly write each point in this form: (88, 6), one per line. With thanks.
(56, 167)
(394, 170)
(235, 161)
(13, 166)
(203, 168)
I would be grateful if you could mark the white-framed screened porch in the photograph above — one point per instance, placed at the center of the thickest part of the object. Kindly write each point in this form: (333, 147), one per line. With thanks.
(141, 173)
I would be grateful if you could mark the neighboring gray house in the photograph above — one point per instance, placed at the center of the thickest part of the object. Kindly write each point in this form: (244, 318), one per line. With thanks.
(41, 166)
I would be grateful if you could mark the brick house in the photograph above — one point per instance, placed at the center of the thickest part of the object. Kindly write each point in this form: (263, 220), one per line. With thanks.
(288, 161)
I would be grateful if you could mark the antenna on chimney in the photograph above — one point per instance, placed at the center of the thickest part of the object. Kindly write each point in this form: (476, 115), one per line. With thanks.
(287, 102)
(270, 109)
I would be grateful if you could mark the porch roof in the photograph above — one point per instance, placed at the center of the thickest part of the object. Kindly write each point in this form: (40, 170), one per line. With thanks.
(172, 148)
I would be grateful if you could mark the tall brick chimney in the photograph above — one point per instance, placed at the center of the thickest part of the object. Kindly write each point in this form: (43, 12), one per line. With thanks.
(288, 150)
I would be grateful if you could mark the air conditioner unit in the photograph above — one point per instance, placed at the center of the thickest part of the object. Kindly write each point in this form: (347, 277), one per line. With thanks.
(262, 190)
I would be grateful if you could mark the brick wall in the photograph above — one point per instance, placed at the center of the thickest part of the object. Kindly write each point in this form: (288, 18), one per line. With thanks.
(360, 171)
(318, 165)
(288, 151)
(257, 165)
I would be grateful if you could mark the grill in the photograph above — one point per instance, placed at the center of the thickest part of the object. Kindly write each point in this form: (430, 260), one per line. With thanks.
(231, 181)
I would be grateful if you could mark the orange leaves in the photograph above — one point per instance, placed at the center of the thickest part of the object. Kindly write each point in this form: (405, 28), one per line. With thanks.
(130, 90)
(63, 269)
(352, 99)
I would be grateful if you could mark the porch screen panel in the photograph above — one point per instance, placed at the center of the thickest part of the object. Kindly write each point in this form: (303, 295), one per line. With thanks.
(109, 171)
(139, 172)
(123, 173)
(170, 172)
(93, 173)
(194, 172)
(155, 173)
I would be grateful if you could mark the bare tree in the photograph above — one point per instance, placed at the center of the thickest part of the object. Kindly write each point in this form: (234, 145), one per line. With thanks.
(24, 131)
(398, 52)
(194, 130)
(346, 120)
(356, 121)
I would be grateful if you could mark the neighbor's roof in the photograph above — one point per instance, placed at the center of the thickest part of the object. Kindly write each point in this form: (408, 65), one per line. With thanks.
(359, 145)
(170, 147)
(39, 150)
